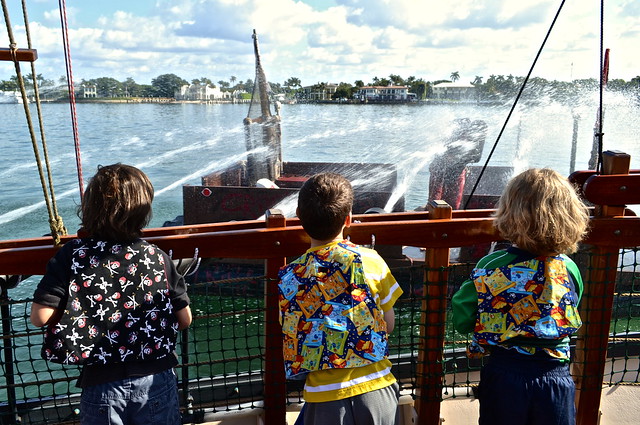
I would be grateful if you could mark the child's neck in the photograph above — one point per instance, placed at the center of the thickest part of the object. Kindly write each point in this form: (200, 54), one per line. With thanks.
(540, 254)
(316, 242)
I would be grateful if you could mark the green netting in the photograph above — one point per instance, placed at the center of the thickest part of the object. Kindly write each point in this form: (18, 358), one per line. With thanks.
(223, 353)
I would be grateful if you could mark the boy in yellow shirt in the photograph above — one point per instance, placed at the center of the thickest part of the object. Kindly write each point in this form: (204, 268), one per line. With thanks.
(336, 304)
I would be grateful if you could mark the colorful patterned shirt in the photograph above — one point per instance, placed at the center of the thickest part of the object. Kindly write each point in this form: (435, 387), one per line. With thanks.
(332, 303)
(522, 302)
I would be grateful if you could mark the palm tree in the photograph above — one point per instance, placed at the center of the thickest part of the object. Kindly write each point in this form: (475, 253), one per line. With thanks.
(455, 76)
(396, 80)
(293, 82)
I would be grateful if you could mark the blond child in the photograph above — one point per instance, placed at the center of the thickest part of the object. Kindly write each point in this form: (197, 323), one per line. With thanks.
(521, 304)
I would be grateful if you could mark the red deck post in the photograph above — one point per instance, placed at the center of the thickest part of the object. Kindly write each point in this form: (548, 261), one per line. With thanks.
(274, 382)
(432, 328)
(596, 309)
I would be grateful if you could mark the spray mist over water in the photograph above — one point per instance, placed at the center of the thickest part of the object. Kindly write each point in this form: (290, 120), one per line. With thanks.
(328, 133)
(17, 168)
(412, 166)
(21, 212)
(218, 165)
(173, 142)
(132, 141)
(287, 206)
(170, 154)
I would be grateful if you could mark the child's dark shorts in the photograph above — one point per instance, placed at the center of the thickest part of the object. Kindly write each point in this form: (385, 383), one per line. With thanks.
(516, 389)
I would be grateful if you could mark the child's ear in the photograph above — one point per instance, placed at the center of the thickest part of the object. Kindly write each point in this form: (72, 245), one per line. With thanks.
(347, 221)
(297, 212)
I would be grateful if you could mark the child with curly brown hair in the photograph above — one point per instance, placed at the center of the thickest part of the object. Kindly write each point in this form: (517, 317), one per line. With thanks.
(521, 303)
(114, 304)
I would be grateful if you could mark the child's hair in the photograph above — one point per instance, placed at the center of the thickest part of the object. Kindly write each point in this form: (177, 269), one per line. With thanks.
(541, 212)
(116, 204)
(324, 202)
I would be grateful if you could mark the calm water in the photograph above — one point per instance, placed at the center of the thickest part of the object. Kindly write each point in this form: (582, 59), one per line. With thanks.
(176, 144)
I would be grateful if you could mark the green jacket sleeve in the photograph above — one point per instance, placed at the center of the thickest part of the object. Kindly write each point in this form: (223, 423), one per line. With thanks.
(465, 307)
(573, 269)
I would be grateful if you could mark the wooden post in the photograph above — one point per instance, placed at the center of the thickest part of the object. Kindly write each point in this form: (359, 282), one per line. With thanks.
(432, 325)
(274, 382)
(595, 310)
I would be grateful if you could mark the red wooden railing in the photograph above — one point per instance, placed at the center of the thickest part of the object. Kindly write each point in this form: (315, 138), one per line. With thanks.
(438, 230)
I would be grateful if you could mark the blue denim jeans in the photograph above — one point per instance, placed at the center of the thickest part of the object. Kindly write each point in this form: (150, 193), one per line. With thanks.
(151, 399)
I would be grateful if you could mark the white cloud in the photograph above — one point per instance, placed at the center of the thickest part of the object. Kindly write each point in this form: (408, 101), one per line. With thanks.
(342, 41)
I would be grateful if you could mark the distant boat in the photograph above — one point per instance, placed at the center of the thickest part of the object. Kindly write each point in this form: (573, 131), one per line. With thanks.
(10, 97)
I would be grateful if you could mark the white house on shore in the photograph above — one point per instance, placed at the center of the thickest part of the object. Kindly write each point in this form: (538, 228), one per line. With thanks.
(89, 90)
(319, 91)
(454, 91)
(384, 93)
(201, 92)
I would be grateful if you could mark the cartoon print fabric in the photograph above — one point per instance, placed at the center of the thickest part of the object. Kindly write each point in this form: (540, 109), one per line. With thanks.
(329, 317)
(532, 299)
(118, 306)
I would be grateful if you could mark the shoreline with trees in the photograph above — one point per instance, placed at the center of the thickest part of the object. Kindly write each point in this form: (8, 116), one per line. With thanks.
(496, 88)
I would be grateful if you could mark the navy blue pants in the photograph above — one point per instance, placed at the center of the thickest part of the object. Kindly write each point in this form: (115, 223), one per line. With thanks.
(516, 389)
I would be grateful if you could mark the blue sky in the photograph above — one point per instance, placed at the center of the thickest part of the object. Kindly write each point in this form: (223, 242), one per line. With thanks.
(329, 40)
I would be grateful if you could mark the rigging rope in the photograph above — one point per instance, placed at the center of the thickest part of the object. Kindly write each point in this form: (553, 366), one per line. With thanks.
(55, 221)
(595, 161)
(72, 92)
(604, 74)
(515, 103)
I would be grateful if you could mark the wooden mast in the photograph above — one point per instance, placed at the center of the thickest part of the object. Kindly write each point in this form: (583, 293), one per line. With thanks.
(262, 165)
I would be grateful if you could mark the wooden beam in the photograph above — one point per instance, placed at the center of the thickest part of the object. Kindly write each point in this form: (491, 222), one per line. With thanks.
(432, 328)
(596, 307)
(192, 229)
(23, 55)
(619, 189)
(274, 381)
(30, 256)
(579, 178)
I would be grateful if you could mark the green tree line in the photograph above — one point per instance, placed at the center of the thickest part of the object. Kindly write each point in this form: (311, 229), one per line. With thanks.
(495, 88)
(164, 85)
